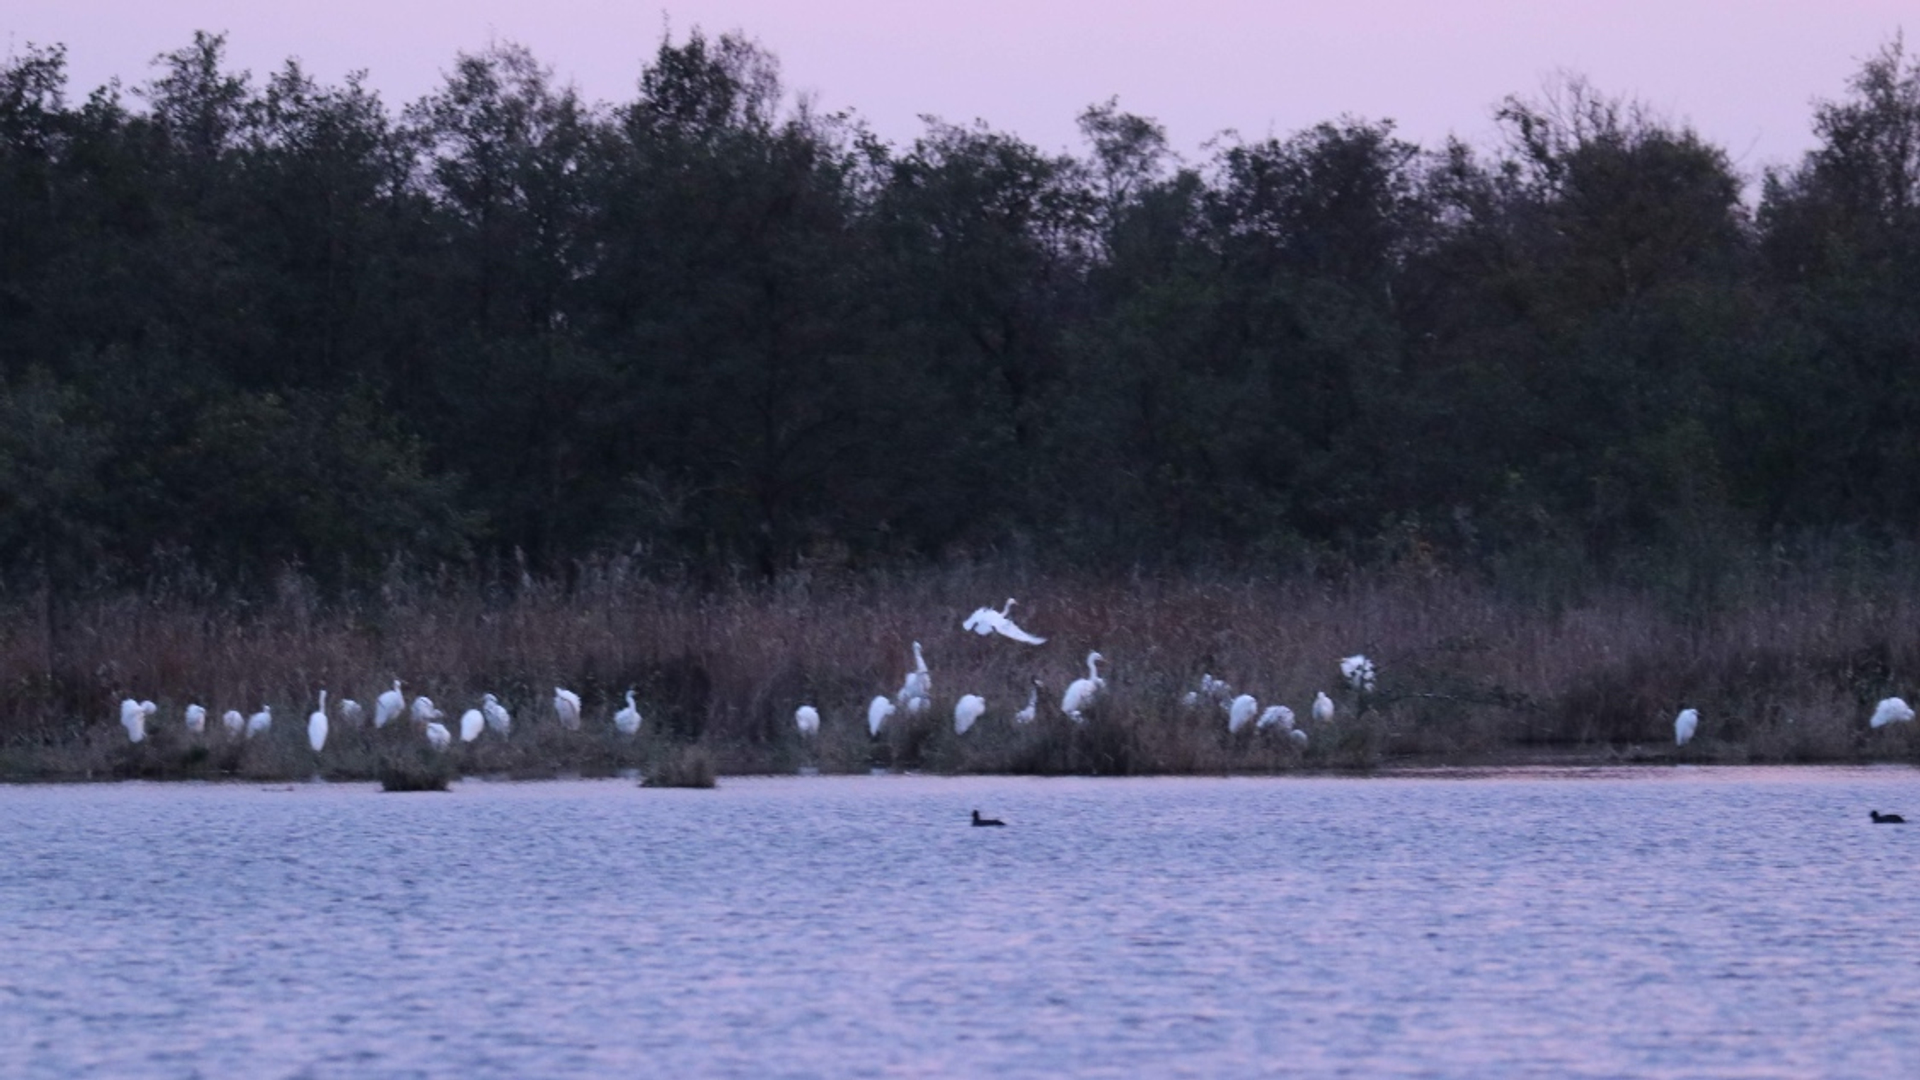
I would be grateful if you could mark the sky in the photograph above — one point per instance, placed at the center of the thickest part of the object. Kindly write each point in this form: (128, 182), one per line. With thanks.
(1743, 73)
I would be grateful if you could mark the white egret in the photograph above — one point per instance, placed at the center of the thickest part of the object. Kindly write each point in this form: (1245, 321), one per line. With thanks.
(628, 719)
(1684, 725)
(1242, 710)
(196, 719)
(424, 710)
(133, 717)
(1299, 737)
(438, 736)
(1081, 692)
(566, 705)
(351, 713)
(317, 725)
(807, 719)
(966, 711)
(233, 721)
(1891, 711)
(260, 721)
(986, 621)
(1358, 671)
(916, 691)
(472, 723)
(1322, 708)
(877, 712)
(1276, 715)
(1032, 709)
(389, 705)
(498, 718)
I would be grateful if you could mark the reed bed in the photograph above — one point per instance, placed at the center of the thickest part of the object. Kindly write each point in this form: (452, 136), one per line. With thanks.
(1785, 671)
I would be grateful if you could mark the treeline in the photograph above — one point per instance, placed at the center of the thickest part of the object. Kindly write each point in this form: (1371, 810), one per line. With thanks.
(249, 326)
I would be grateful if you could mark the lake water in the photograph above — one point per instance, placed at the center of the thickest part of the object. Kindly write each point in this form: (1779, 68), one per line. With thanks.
(1652, 923)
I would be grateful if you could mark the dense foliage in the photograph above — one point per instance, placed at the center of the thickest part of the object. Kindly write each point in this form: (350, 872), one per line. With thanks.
(246, 326)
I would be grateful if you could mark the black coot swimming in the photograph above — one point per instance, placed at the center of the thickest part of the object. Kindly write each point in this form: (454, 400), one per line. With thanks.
(978, 820)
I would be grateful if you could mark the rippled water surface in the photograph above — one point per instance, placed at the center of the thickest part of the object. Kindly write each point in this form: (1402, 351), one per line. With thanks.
(1653, 923)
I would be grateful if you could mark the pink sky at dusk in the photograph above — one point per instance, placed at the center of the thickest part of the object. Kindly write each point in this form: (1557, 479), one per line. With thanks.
(1743, 72)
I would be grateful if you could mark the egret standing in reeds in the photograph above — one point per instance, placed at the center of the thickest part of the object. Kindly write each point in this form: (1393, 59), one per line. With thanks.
(351, 714)
(1684, 726)
(1357, 670)
(438, 736)
(497, 716)
(1891, 711)
(916, 690)
(807, 719)
(966, 711)
(196, 719)
(233, 721)
(1081, 692)
(1275, 715)
(472, 723)
(389, 705)
(259, 722)
(877, 712)
(317, 725)
(133, 717)
(986, 621)
(628, 719)
(425, 711)
(566, 706)
(1032, 708)
(1240, 711)
(1322, 708)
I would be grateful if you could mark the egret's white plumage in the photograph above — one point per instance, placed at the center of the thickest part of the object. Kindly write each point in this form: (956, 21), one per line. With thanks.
(1322, 708)
(1684, 725)
(1891, 711)
(807, 719)
(628, 719)
(877, 712)
(1299, 737)
(966, 711)
(916, 690)
(497, 716)
(1276, 715)
(986, 621)
(389, 705)
(1032, 709)
(1081, 692)
(438, 736)
(233, 721)
(1240, 711)
(1358, 671)
(133, 717)
(196, 719)
(351, 714)
(472, 723)
(425, 711)
(260, 721)
(317, 725)
(566, 705)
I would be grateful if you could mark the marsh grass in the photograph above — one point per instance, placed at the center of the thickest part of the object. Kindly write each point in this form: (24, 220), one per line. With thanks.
(1786, 670)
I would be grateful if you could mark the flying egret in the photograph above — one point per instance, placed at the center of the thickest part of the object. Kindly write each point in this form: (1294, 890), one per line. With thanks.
(1026, 715)
(1358, 671)
(196, 719)
(966, 711)
(1080, 693)
(807, 719)
(317, 725)
(986, 621)
(133, 717)
(1276, 715)
(233, 721)
(628, 719)
(438, 736)
(566, 705)
(1242, 710)
(1891, 711)
(351, 713)
(877, 712)
(497, 716)
(388, 705)
(916, 690)
(472, 723)
(1684, 725)
(260, 721)
(1322, 708)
